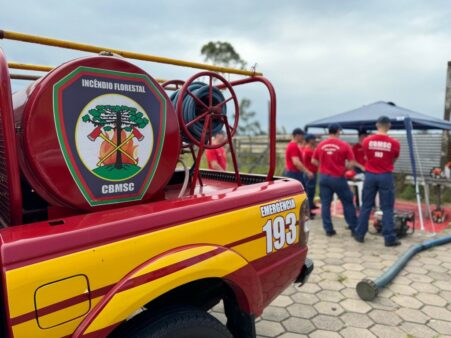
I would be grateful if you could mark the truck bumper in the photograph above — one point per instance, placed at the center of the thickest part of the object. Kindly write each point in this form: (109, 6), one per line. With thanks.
(306, 270)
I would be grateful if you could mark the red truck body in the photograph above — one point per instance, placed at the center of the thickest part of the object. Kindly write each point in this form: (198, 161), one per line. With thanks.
(239, 238)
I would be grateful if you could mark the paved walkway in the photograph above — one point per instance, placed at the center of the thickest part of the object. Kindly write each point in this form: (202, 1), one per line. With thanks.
(416, 304)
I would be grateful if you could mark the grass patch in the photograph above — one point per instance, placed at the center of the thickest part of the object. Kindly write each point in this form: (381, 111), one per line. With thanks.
(407, 191)
(111, 173)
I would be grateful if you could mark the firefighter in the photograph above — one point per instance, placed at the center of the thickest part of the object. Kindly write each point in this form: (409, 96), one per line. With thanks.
(294, 168)
(216, 158)
(381, 151)
(310, 184)
(357, 149)
(331, 156)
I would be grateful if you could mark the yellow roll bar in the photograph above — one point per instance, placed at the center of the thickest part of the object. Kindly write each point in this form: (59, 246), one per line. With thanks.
(41, 68)
(24, 77)
(27, 66)
(131, 55)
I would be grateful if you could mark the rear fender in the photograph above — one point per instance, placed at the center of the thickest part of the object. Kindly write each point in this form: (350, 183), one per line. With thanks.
(166, 272)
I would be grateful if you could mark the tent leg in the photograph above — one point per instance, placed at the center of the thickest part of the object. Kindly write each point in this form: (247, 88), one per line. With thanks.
(408, 125)
(428, 205)
(420, 212)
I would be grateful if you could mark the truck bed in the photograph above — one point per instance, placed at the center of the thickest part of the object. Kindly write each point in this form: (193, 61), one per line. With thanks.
(105, 246)
(211, 182)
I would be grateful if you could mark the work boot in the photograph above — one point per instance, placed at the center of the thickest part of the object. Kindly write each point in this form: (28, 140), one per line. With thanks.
(394, 243)
(357, 238)
(331, 233)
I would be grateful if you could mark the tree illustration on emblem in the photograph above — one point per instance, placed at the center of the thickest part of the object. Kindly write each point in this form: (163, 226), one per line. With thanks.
(116, 152)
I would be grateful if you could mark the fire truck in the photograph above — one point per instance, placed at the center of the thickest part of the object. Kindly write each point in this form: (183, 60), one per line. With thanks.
(105, 229)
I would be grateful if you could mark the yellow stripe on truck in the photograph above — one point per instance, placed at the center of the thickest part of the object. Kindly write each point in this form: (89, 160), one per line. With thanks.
(106, 264)
(128, 301)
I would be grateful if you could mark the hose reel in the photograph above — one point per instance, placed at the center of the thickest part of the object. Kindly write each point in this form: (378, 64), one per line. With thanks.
(203, 110)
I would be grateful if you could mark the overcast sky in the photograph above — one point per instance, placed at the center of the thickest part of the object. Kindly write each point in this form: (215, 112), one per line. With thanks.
(323, 57)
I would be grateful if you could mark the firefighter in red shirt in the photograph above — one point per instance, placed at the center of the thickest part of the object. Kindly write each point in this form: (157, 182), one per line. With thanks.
(381, 151)
(216, 158)
(357, 149)
(310, 184)
(294, 168)
(331, 156)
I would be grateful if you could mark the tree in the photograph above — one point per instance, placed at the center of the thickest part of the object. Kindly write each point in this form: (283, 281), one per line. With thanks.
(222, 54)
(248, 125)
(281, 131)
(117, 118)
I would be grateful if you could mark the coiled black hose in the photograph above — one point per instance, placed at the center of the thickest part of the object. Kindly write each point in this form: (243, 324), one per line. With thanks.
(368, 289)
(192, 109)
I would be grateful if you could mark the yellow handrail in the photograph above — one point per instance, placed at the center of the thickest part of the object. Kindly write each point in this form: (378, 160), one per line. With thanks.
(24, 77)
(131, 55)
(41, 68)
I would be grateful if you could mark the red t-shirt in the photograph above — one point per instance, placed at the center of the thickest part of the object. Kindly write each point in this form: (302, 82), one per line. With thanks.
(307, 159)
(381, 152)
(301, 149)
(292, 151)
(218, 155)
(359, 154)
(332, 154)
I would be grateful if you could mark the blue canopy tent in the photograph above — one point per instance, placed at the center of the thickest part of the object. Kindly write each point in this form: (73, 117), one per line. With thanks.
(401, 118)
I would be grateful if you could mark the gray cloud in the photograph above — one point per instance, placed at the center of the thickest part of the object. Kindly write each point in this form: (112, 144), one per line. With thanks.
(323, 57)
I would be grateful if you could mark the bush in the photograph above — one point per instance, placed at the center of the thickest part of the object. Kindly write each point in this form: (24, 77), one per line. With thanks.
(407, 191)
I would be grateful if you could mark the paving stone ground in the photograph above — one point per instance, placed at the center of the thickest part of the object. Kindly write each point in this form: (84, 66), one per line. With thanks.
(416, 304)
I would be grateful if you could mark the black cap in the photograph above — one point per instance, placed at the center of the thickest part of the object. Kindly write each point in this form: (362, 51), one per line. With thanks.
(310, 137)
(383, 119)
(298, 131)
(334, 128)
(362, 132)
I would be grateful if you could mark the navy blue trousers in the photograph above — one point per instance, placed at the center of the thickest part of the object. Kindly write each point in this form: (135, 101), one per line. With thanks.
(297, 175)
(328, 185)
(384, 184)
(310, 189)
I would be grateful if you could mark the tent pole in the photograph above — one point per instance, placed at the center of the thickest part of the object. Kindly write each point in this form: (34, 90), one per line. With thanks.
(409, 127)
(420, 212)
(426, 190)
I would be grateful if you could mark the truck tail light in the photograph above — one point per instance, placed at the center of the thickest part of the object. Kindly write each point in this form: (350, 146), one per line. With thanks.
(304, 217)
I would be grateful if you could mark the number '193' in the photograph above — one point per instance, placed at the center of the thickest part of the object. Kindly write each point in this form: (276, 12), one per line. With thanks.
(276, 236)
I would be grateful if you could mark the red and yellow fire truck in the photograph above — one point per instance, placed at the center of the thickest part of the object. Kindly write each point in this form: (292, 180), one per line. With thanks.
(103, 234)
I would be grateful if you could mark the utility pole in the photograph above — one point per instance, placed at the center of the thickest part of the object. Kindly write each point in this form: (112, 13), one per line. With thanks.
(446, 146)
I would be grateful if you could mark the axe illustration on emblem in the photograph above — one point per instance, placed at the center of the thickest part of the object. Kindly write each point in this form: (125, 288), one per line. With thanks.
(134, 133)
(97, 132)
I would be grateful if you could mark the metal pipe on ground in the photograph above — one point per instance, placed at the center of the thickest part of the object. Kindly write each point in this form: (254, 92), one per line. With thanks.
(368, 289)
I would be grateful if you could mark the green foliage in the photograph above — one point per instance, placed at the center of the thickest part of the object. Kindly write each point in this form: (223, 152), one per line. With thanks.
(109, 117)
(113, 173)
(407, 191)
(222, 54)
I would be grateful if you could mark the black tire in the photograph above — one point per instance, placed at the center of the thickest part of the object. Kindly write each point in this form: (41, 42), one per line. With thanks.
(180, 322)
